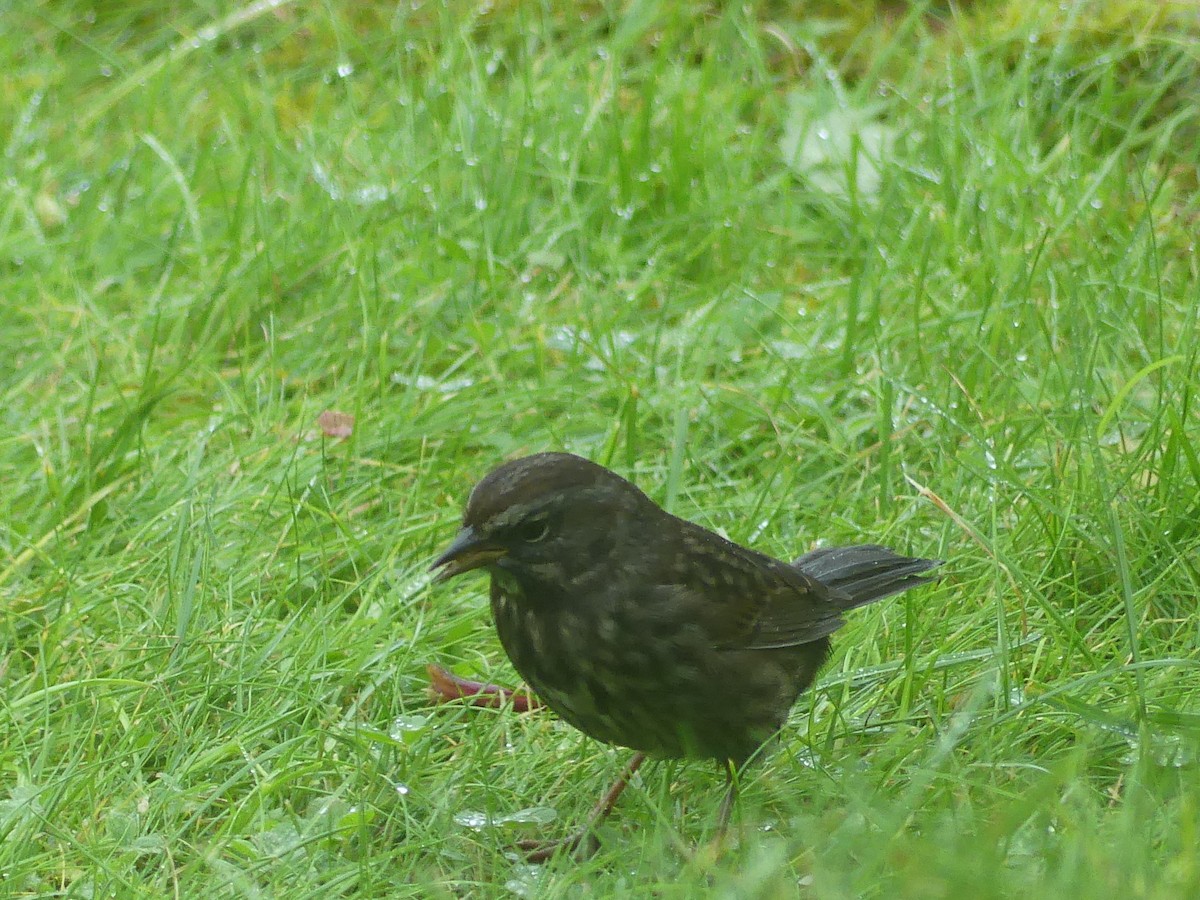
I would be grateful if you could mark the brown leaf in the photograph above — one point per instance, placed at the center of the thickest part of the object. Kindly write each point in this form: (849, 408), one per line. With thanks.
(336, 424)
(445, 686)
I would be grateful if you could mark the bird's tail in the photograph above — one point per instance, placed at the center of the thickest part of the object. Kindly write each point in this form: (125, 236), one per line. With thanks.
(866, 572)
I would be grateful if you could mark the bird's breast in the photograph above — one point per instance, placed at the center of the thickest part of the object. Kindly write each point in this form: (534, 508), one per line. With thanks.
(595, 669)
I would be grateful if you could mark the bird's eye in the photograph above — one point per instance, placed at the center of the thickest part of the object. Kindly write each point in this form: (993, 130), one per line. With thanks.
(534, 530)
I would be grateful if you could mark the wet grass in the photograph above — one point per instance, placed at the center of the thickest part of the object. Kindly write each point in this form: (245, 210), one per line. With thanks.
(921, 277)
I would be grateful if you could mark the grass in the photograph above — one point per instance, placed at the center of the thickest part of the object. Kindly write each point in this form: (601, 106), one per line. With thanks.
(922, 276)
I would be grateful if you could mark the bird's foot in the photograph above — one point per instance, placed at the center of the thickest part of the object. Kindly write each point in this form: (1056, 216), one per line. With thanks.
(583, 844)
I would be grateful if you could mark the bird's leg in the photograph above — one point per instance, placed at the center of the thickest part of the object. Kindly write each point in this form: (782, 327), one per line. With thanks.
(583, 842)
(731, 791)
(445, 686)
(714, 848)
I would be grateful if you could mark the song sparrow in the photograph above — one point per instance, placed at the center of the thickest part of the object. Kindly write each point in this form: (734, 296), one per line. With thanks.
(645, 630)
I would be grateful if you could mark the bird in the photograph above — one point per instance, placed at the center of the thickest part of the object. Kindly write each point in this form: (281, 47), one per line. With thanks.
(647, 631)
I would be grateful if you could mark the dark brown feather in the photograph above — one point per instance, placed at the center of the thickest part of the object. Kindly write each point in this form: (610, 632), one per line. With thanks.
(642, 629)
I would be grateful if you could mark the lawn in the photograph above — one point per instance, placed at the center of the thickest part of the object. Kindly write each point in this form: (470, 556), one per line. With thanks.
(809, 274)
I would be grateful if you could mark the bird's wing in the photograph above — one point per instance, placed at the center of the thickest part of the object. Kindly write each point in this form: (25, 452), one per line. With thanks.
(747, 600)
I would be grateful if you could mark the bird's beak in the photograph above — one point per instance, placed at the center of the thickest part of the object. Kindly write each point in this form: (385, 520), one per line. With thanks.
(466, 552)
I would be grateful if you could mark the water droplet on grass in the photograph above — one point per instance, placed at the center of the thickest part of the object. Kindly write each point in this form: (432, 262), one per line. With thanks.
(478, 821)
(405, 728)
